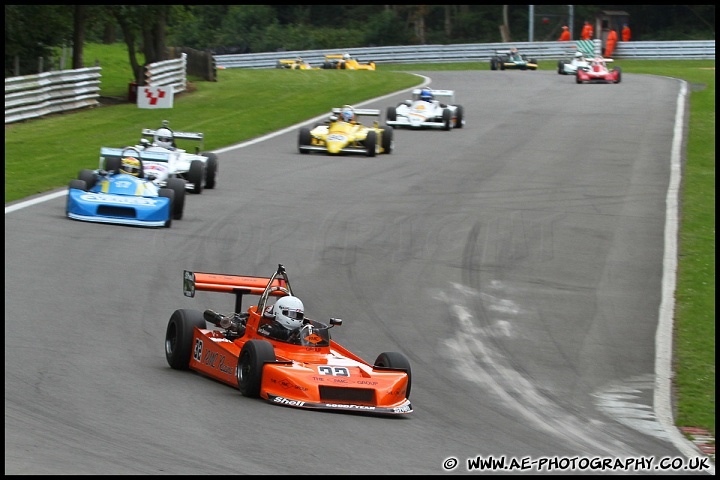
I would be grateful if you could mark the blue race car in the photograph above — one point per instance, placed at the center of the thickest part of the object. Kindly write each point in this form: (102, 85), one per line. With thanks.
(121, 192)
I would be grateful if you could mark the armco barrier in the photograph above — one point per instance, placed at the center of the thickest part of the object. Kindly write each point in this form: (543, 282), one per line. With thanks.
(476, 52)
(50, 92)
(37, 95)
(34, 96)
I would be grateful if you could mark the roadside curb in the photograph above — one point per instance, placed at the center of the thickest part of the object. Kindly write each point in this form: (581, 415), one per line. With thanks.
(702, 438)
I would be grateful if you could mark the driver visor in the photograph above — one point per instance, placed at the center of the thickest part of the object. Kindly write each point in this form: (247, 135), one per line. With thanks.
(293, 313)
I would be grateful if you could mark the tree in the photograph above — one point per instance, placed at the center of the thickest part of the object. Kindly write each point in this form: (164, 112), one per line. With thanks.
(79, 17)
(149, 22)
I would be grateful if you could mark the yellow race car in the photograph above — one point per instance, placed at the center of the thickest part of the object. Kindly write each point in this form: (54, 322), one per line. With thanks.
(295, 64)
(343, 134)
(346, 62)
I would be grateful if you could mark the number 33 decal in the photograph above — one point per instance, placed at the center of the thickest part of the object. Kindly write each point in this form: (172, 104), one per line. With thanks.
(337, 371)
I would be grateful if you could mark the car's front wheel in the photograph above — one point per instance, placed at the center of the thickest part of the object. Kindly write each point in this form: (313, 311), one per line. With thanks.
(396, 361)
(391, 114)
(253, 357)
(387, 139)
(89, 177)
(304, 139)
(211, 168)
(371, 143)
(78, 184)
(459, 116)
(170, 194)
(447, 119)
(195, 175)
(177, 185)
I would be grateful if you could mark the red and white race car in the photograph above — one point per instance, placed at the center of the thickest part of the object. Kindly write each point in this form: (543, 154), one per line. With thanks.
(597, 71)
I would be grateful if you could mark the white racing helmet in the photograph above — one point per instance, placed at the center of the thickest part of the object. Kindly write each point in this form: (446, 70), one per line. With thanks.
(578, 54)
(289, 312)
(163, 138)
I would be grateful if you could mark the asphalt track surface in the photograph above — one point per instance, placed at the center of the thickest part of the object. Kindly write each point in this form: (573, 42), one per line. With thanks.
(518, 262)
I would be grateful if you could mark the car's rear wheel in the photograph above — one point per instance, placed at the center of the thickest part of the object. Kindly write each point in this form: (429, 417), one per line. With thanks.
(177, 185)
(391, 114)
(112, 164)
(459, 116)
(304, 139)
(387, 139)
(253, 357)
(397, 361)
(447, 119)
(195, 175)
(179, 337)
(211, 168)
(619, 74)
(168, 193)
(371, 143)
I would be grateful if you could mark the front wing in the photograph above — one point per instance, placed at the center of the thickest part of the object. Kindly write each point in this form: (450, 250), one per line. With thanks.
(119, 209)
(405, 407)
(416, 121)
(337, 385)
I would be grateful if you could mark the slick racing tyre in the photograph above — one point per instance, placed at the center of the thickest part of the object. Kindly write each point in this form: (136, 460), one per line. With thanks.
(253, 356)
(179, 337)
(177, 185)
(391, 114)
(387, 139)
(371, 143)
(447, 119)
(211, 168)
(169, 193)
(459, 116)
(78, 184)
(304, 139)
(396, 361)
(89, 177)
(195, 175)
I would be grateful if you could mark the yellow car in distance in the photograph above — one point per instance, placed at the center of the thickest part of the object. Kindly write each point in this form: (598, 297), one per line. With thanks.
(346, 62)
(295, 64)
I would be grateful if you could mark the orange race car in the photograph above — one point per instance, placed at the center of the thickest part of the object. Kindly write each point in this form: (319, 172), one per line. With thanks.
(306, 370)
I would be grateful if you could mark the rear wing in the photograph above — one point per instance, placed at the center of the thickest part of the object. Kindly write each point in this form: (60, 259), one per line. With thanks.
(149, 132)
(370, 112)
(144, 155)
(447, 95)
(107, 152)
(236, 284)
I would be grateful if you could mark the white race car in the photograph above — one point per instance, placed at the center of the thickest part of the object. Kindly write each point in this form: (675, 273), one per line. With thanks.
(569, 65)
(428, 108)
(162, 159)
